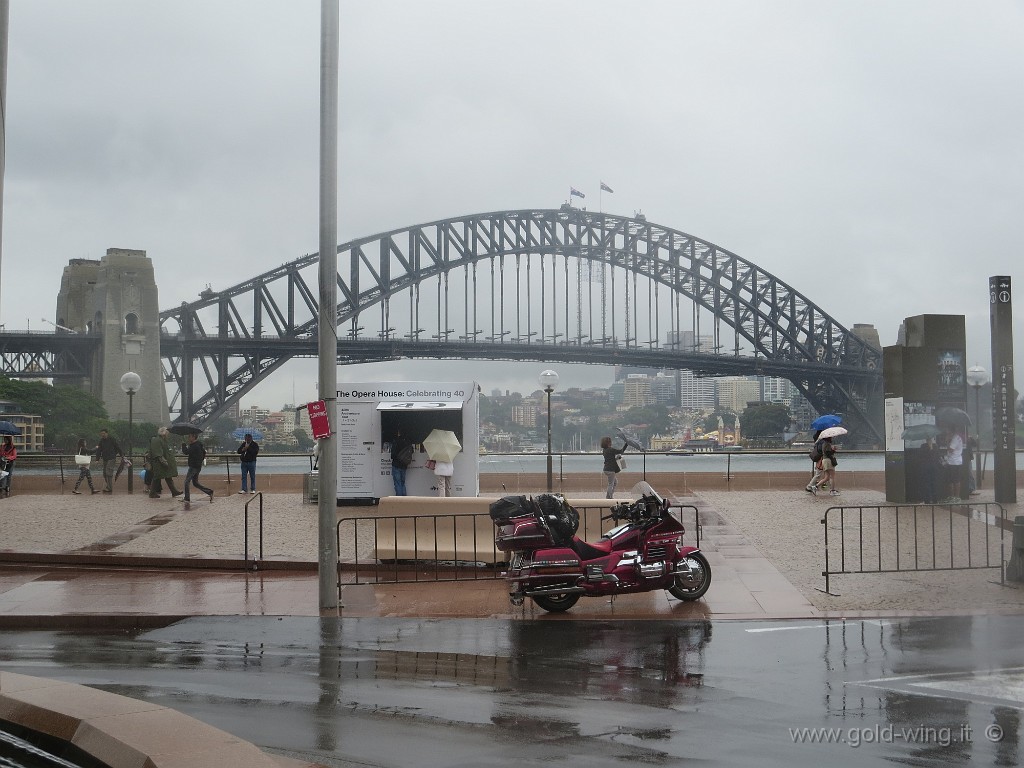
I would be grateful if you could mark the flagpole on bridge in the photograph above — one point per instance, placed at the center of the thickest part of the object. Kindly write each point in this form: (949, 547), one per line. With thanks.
(327, 327)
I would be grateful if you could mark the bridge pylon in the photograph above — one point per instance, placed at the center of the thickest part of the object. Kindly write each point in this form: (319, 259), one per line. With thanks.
(116, 298)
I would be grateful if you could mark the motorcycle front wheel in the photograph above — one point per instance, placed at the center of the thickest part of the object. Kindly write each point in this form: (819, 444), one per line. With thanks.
(694, 586)
(556, 603)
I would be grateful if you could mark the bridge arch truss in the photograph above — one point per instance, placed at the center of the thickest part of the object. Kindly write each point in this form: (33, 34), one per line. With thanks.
(554, 285)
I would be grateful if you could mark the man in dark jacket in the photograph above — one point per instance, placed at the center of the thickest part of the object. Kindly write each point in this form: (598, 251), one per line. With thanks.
(109, 452)
(247, 451)
(196, 453)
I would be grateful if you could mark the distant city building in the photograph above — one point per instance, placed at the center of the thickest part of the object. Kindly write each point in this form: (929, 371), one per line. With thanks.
(252, 416)
(636, 391)
(525, 415)
(32, 427)
(733, 393)
(696, 392)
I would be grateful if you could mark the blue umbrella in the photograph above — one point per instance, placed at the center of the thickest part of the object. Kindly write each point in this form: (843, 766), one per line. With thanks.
(241, 432)
(7, 428)
(826, 421)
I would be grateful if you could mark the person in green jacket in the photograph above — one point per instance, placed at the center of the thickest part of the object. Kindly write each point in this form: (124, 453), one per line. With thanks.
(164, 465)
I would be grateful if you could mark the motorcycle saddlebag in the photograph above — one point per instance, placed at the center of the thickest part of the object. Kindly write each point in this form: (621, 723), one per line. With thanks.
(521, 533)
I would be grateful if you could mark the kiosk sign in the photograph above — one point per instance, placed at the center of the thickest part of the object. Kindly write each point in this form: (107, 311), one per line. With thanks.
(369, 416)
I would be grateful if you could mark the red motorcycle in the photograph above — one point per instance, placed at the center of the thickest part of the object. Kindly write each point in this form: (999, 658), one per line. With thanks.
(552, 566)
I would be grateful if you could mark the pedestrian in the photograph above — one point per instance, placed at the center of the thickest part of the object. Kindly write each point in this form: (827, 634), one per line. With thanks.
(612, 464)
(8, 455)
(816, 471)
(972, 466)
(109, 452)
(194, 449)
(83, 466)
(953, 464)
(828, 463)
(443, 471)
(248, 451)
(164, 465)
(401, 458)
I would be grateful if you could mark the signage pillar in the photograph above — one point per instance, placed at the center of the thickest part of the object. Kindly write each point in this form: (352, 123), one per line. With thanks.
(1003, 399)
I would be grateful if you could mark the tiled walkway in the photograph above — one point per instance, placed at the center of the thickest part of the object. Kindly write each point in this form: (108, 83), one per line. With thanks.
(52, 593)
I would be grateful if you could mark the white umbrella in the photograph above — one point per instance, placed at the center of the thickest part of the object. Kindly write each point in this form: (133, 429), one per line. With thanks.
(442, 445)
(833, 432)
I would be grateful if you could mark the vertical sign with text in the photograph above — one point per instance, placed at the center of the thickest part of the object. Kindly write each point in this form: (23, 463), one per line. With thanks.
(319, 421)
(1004, 405)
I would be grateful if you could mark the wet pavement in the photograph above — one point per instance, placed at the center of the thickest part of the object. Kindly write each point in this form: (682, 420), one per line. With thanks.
(477, 692)
(450, 674)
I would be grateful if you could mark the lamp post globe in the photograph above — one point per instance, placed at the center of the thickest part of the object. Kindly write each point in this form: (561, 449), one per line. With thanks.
(549, 380)
(131, 382)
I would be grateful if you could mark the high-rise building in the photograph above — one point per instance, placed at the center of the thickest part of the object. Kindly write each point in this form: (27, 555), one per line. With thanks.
(734, 392)
(696, 392)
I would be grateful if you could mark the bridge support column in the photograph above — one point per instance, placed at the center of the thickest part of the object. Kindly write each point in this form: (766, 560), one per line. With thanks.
(116, 298)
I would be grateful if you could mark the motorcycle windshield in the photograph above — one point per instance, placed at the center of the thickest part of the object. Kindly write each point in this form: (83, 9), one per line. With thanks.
(643, 488)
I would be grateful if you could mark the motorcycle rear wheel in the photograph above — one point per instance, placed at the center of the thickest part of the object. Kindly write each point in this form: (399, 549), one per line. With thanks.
(687, 589)
(556, 603)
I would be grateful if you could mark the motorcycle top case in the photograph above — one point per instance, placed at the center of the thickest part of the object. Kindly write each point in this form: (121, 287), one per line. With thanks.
(510, 507)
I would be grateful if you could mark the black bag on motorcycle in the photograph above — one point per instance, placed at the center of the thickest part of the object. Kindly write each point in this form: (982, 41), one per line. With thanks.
(562, 519)
(509, 507)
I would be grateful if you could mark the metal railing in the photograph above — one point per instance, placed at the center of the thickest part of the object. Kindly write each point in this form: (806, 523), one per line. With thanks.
(444, 547)
(913, 538)
(245, 524)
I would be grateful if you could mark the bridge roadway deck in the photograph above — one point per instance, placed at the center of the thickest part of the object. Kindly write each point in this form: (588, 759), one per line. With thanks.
(68, 560)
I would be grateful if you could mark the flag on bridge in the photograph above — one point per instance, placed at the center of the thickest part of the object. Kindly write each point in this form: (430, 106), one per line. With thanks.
(605, 187)
(575, 192)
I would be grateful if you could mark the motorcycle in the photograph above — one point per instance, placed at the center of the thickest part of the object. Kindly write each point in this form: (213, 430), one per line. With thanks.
(552, 566)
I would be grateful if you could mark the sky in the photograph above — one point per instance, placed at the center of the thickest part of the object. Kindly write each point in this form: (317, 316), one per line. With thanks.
(866, 153)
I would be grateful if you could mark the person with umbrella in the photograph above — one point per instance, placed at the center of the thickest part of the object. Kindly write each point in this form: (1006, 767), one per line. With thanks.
(8, 454)
(163, 465)
(196, 453)
(952, 462)
(108, 451)
(818, 425)
(828, 460)
(441, 446)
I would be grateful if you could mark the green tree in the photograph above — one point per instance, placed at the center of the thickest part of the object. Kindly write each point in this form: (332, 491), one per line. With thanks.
(764, 420)
(69, 413)
(305, 441)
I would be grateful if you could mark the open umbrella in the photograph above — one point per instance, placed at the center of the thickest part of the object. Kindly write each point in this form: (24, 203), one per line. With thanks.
(7, 428)
(954, 417)
(826, 421)
(185, 428)
(442, 445)
(833, 432)
(921, 432)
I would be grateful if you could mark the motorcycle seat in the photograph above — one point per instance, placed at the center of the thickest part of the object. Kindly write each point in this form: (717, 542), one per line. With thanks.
(590, 551)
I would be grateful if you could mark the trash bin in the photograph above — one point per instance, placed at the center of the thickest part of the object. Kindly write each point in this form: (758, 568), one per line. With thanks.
(311, 487)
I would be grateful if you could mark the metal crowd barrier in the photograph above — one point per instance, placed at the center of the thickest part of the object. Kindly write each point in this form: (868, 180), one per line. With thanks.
(913, 538)
(446, 547)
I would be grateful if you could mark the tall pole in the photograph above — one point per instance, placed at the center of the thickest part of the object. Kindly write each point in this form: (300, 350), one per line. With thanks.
(327, 326)
(549, 390)
(131, 469)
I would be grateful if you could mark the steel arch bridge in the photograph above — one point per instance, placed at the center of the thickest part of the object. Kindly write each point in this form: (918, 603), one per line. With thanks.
(552, 285)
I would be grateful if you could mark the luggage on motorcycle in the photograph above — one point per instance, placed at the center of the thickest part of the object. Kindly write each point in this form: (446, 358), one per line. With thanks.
(563, 520)
(510, 507)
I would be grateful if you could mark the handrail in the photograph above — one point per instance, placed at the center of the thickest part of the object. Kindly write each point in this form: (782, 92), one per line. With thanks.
(245, 523)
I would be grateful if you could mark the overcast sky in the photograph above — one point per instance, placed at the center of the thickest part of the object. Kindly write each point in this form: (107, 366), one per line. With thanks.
(869, 154)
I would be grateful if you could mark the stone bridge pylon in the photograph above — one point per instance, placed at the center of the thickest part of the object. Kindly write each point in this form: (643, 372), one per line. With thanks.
(116, 297)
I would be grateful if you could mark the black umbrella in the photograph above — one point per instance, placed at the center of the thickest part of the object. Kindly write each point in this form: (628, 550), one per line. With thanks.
(954, 417)
(7, 428)
(184, 428)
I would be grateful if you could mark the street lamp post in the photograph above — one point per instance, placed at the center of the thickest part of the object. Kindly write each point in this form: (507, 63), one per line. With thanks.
(977, 377)
(130, 384)
(549, 379)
